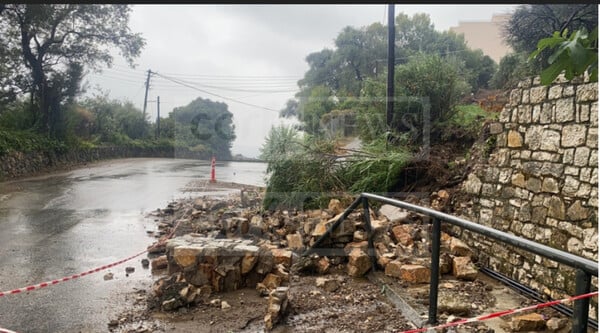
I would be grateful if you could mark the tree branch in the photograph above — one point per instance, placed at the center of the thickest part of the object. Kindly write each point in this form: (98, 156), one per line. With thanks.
(566, 24)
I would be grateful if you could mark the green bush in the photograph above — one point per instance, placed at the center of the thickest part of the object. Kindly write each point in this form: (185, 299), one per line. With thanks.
(28, 141)
(466, 122)
(377, 169)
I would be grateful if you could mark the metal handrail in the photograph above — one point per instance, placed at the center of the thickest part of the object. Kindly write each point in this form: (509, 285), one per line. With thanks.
(562, 257)
(585, 268)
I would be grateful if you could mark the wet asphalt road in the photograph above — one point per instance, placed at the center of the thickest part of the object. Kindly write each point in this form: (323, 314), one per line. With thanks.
(68, 223)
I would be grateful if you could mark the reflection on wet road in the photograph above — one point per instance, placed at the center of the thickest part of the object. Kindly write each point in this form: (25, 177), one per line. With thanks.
(68, 223)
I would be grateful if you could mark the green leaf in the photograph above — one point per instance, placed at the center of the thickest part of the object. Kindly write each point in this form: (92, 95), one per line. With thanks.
(549, 74)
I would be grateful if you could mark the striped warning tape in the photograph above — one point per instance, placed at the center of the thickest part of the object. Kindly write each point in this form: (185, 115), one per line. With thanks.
(91, 271)
(67, 278)
(502, 313)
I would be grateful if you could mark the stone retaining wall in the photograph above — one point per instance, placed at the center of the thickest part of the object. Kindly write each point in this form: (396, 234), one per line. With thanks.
(540, 182)
(17, 164)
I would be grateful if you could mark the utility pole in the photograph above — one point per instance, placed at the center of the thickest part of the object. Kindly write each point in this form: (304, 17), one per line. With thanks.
(390, 65)
(158, 117)
(146, 94)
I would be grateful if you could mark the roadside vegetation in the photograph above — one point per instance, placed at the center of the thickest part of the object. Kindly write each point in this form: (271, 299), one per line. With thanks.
(45, 51)
(444, 94)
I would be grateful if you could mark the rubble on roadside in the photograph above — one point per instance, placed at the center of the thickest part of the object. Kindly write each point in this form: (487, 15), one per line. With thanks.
(222, 245)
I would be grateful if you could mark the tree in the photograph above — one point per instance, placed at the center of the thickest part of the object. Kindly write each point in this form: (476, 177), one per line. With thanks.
(531, 23)
(56, 41)
(513, 67)
(281, 142)
(574, 54)
(290, 110)
(205, 126)
(360, 55)
(313, 107)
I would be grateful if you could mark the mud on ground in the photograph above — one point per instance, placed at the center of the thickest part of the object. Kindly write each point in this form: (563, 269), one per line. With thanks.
(355, 305)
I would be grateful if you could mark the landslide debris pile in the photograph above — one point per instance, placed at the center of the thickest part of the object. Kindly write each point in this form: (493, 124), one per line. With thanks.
(223, 245)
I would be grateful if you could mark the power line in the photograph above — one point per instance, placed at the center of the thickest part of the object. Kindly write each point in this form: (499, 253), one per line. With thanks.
(239, 89)
(213, 76)
(114, 78)
(213, 94)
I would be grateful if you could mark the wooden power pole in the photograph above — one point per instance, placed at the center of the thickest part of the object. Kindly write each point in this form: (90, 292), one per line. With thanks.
(146, 94)
(390, 65)
(158, 117)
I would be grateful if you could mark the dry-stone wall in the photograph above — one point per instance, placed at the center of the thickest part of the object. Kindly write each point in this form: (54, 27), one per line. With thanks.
(540, 182)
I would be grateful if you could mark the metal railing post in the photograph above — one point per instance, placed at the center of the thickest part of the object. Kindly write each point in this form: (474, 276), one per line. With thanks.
(368, 227)
(435, 270)
(583, 283)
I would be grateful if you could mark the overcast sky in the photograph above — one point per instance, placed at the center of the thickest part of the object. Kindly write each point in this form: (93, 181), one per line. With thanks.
(252, 54)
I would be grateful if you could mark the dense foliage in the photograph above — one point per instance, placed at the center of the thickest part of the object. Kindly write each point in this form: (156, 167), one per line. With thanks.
(53, 43)
(344, 91)
(341, 74)
(575, 55)
(45, 50)
(531, 23)
(203, 125)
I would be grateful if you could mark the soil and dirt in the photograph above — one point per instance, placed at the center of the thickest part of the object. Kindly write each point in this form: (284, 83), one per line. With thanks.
(354, 305)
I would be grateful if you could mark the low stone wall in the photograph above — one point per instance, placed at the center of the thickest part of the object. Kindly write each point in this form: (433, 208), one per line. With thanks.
(223, 264)
(539, 182)
(17, 164)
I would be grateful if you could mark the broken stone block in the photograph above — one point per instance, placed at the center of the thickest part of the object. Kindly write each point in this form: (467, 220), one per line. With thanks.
(227, 278)
(171, 304)
(265, 262)
(394, 214)
(528, 322)
(272, 281)
(328, 284)
(358, 263)
(554, 324)
(445, 263)
(393, 268)
(364, 245)
(278, 304)
(203, 275)
(248, 262)
(335, 206)
(294, 241)
(402, 234)
(384, 259)
(415, 273)
(159, 263)
(462, 268)
(379, 225)
(193, 295)
(282, 271)
(345, 229)
(459, 248)
(323, 265)
(360, 236)
(186, 256)
(452, 305)
(282, 256)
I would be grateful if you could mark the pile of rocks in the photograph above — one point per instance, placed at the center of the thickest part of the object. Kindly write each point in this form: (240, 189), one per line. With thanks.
(222, 246)
(226, 247)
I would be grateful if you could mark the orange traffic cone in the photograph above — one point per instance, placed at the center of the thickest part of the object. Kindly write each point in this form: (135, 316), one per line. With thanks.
(213, 178)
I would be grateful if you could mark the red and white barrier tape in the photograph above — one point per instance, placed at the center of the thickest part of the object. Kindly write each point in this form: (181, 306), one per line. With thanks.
(66, 278)
(4, 330)
(502, 313)
(75, 276)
